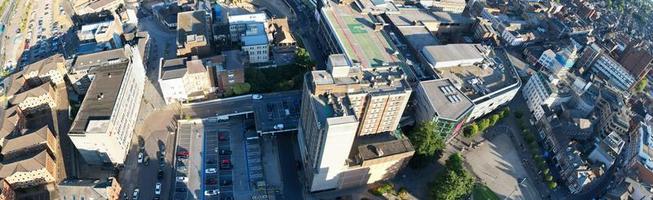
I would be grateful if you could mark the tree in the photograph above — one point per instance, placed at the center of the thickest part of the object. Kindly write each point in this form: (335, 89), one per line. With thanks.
(455, 163)
(451, 185)
(494, 119)
(641, 85)
(471, 130)
(425, 140)
(548, 178)
(403, 193)
(505, 112)
(485, 123)
(552, 185)
(241, 88)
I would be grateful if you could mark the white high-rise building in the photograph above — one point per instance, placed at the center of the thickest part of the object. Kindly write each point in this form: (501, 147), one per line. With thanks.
(104, 126)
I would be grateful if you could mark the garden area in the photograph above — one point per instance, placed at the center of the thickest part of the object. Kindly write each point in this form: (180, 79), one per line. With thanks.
(280, 78)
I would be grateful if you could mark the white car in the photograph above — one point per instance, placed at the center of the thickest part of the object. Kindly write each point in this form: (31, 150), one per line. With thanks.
(211, 192)
(211, 171)
(135, 195)
(257, 96)
(140, 157)
(182, 179)
(278, 126)
(157, 189)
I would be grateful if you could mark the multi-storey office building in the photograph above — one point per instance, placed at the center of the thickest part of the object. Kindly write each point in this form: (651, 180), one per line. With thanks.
(441, 102)
(104, 126)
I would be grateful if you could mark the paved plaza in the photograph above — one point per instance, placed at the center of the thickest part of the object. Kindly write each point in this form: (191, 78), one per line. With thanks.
(497, 164)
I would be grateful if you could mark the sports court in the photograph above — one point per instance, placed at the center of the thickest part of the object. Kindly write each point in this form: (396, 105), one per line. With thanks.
(360, 42)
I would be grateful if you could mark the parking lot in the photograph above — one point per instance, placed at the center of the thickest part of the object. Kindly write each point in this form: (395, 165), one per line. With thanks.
(220, 163)
(277, 112)
(188, 160)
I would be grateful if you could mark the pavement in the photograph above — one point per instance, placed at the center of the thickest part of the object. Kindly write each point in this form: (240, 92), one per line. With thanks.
(497, 164)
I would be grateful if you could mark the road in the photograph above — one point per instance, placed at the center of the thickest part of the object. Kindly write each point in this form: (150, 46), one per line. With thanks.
(308, 36)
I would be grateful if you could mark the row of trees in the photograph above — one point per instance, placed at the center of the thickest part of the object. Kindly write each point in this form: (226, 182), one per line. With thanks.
(475, 128)
(536, 154)
(454, 183)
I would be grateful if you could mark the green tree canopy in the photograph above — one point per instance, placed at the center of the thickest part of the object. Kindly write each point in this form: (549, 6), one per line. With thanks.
(471, 130)
(494, 119)
(425, 140)
(241, 88)
(455, 163)
(641, 85)
(484, 124)
(451, 185)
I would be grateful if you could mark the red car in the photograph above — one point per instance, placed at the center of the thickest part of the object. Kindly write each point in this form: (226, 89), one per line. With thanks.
(226, 162)
(182, 153)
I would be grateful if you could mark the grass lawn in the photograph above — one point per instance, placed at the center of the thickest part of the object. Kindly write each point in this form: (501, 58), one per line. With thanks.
(482, 192)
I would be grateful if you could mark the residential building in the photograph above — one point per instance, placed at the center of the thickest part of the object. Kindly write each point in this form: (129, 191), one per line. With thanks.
(613, 115)
(517, 37)
(454, 6)
(474, 70)
(103, 128)
(19, 144)
(29, 170)
(588, 57)
(558, 62)
(6, 191)
(543, 90)
(51, 69)
(99, 31)
(644, 160)
(229, 69)
(630, 188)
(183, 79)
(108, 189)
(167, 14)
(637, 59)
(340, 106)
(611, 71)
(283, 44)
(83, 7)
(36, 99)
(255, 43)
(441, 102)
(194, 33)
(238, 23)
(483, 30)
(607, 150)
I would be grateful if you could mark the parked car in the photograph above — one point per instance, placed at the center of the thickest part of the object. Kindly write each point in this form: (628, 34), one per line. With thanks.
(211, 192)
(211, 181)
(210, 162)
(226, 166)
(257, 96)
(157, 189)
(211, 171)
(182, 179)
(160, 174)
(182, 154)
(140, 157)
(135, 194)
(226, 162)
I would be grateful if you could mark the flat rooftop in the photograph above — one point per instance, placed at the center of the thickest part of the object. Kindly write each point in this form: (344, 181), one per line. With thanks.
(417, 36)
(447, 100)
(480, 79)
(100, 98)
(191, 23)
(357, 37)
(452, 53)
(375, 146)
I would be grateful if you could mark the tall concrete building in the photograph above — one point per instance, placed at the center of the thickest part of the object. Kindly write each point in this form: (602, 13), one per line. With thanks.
(103, 128)
(340, 107)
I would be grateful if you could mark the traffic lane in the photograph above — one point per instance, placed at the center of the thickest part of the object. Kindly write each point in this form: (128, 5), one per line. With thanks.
(290, 173)
(148, 176)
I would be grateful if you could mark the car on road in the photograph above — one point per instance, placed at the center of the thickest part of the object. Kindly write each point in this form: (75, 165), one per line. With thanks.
(182, 154)
(159, 174)
(157, 189)
(225, 182)
(211, 171)
(182, 179)
(140, 157)
(135, 194)
(225, 152)
(257, 96)
(211, 181)
(211, 192)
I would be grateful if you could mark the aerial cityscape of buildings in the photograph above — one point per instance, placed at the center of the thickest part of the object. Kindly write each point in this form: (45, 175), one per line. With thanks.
(326, 99)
